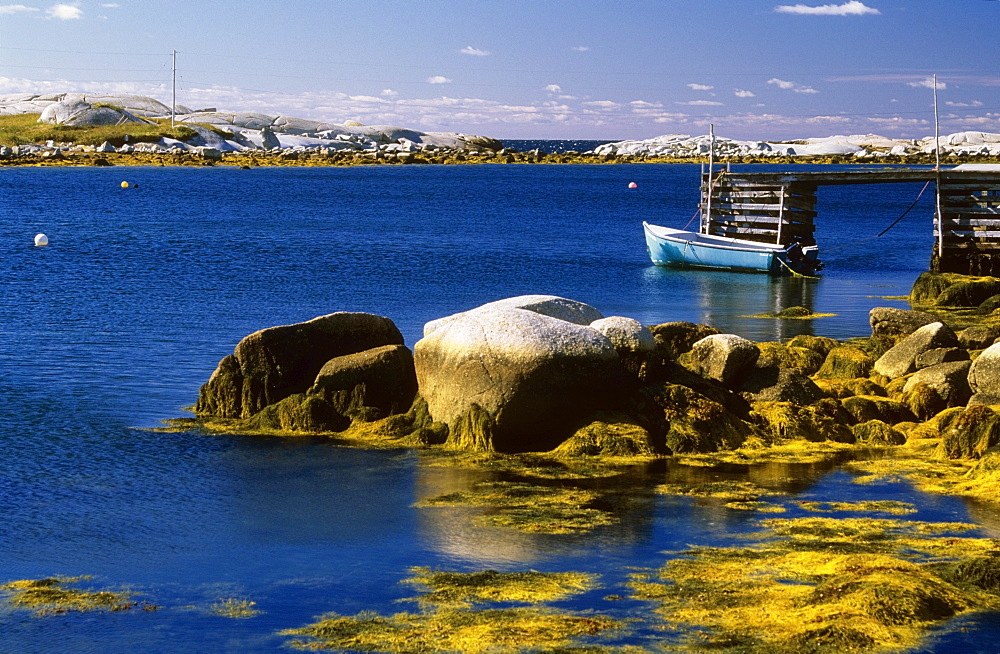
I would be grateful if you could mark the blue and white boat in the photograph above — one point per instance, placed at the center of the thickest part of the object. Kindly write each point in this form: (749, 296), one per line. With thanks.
(684, 249)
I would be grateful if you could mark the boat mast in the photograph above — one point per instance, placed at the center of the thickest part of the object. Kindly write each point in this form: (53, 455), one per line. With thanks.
(937, 176)
(173, 82)
(707, 218)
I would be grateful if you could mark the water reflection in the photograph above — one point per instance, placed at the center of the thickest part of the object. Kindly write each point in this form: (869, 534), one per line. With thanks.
(727, 300)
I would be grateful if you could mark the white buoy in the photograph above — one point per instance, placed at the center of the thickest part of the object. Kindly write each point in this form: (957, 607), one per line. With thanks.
(41, 239)
(633, 185)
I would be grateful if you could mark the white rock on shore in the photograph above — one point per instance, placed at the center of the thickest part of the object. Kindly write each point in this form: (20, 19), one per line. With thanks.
(865, 146)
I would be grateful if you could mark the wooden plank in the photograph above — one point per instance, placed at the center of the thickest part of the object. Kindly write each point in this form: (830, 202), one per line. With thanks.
(963, 221)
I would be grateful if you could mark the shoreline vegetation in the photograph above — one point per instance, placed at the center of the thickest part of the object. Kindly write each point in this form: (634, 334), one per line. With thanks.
(856, 575)
(24, 141)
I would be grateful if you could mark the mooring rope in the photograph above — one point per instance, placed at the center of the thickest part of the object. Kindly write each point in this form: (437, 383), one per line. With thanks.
(894, 223)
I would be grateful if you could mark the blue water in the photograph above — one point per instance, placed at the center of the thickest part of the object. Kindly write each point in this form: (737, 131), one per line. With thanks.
(112, 328)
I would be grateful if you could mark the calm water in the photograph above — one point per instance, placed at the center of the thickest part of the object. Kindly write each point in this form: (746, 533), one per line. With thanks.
(112, 328)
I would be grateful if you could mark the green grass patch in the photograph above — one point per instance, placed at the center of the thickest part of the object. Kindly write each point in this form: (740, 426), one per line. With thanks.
(25, 128)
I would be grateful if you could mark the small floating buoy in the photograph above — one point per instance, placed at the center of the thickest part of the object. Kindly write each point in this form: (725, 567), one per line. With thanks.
(633, 185)
(124, 184)
(41, 239)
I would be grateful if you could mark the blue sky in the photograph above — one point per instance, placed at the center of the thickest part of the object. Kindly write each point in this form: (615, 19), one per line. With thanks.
(532, 69)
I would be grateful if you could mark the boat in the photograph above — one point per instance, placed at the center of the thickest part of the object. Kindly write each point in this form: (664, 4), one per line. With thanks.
(684, 249)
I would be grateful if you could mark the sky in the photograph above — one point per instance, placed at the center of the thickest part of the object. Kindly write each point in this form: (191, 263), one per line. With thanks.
(532, 69)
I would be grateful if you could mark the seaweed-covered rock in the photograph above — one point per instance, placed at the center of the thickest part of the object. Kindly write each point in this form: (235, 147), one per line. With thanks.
(927, 287)
(774, 384)
(949, 381)
(676, 338)
(805, 360)
(984, 375)
(300, 412)
(822, 421)
(989, 305)
(698, 424)
(513, 375)
(902, 358)
(872, 407)
(889, 321)
(607, 439)
(382, 378)
(970, 292)
(878, 433)
(820, 344)
(976, 430)
(978, 337)
(274, 363)
(726, 358)
(845, 362)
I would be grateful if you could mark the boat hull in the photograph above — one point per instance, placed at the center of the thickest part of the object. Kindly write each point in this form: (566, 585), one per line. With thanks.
(681, 249)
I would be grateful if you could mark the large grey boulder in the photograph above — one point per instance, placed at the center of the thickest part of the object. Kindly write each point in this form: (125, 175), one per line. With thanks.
(518, 374)
(978, 337)
(726, 358)
(78, 113)
(274, 363)
(901, 359)
(984, 375)
(949, 381)
(889, 321)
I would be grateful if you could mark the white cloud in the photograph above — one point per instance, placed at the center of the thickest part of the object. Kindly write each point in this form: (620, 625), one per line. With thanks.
(740, 93)
(389, 93)
(111, 5)
(700, 87)
(475, 52)
(438, 79)
(65, 12)
(553, 88)
(15, 9)
(791, 86)
(852, 8)
(702, 103)
(974, 103)
(927, 84)
(580, 48)
(602, 104)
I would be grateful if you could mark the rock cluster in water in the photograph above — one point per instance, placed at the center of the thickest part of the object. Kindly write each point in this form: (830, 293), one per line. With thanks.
(548, 374)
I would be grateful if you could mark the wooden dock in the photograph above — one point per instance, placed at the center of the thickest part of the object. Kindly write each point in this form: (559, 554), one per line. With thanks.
(782, 208)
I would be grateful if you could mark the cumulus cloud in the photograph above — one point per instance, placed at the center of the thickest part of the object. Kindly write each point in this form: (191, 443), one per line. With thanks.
(65, 12)
(702, 103)
(700, 87)
(852, 8)
(791, 86)
(602, 104)
(553, 88)
(927, 84)
(15, 9)
(438, 79)
(741, 93)
(475, 52)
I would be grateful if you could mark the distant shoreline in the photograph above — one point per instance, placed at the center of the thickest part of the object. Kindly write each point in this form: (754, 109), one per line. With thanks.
(260, 159)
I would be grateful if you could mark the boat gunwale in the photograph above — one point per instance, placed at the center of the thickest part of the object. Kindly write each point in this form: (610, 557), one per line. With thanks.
(728, 243)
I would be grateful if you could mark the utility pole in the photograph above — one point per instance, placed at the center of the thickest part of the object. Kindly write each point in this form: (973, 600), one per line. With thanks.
(173, 100)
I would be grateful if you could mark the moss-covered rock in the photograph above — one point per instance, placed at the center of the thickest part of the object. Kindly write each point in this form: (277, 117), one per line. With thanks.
(927, 287)
(924, 401)
(381, 378)
(823, 421)
(299, 412)
(878, 433)
(676, 338)
(989, 305)
(607, 439)
(970, 292)
(845, 362)
(864, 408)
(819, 344)
(805, 360)
(976, 430)
(697, 424)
